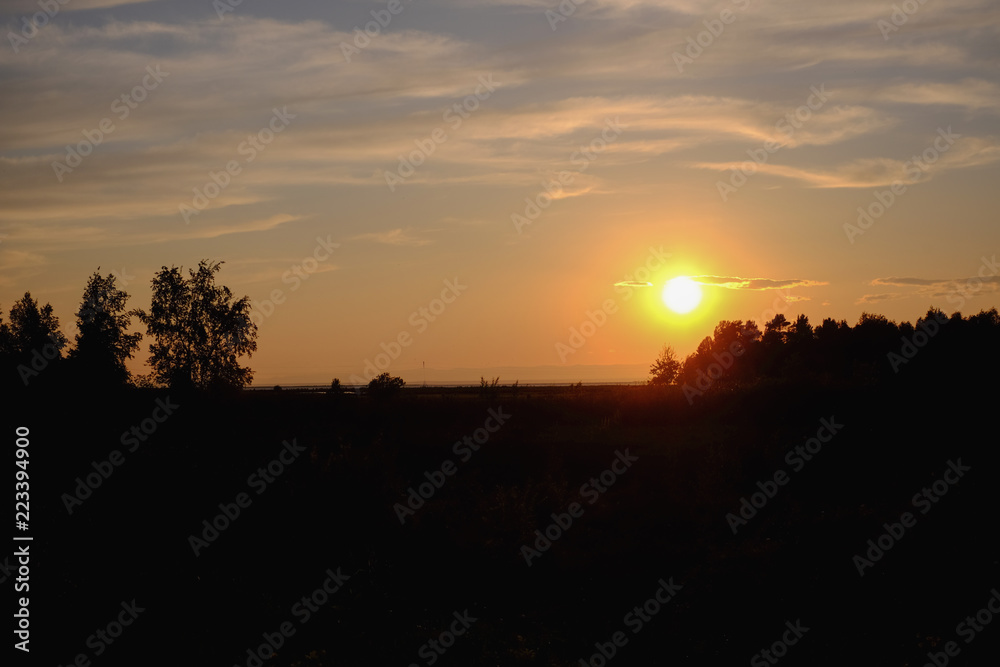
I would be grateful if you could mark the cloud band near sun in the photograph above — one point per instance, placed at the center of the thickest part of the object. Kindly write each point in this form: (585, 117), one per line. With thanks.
(633, 283)
(730, 282)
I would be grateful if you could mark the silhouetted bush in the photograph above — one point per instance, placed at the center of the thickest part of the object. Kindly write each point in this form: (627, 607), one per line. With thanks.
(385, 385)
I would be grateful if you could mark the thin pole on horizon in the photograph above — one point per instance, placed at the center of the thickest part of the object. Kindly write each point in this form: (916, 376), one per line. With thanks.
(423, 365)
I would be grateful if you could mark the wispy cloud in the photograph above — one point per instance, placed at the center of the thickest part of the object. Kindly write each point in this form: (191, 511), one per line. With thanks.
(60, 236)
(971, 93)
(31, 6)
(910, 282)
(878, 298)
(400, 237)
(938, 288)
(19, 265)
(729, 282)
(880, 171)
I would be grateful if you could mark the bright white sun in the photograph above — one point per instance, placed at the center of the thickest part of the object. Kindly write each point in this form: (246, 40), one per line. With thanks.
(681, 295)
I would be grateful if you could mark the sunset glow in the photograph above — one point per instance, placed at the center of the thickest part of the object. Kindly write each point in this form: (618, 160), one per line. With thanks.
(682, 295)
(494, 332)
(344, 167)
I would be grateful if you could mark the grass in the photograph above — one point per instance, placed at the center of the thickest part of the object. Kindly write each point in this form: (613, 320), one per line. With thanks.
(664, 517)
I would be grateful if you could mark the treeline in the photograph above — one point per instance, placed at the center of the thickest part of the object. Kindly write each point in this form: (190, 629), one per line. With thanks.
(874, 349)
(198, 332)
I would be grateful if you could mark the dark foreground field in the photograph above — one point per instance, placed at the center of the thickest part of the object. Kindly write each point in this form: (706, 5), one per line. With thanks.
(400, 586)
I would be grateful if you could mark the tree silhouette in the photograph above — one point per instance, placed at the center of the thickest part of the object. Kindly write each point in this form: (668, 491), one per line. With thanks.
(199, 330)
(666, 368)
(800, 331)
(697, 361)
(385, 385)
(6, 354)
(774, 331)
(33, 337)
(103, 343)
(6, 344)
(835, 353)
(33, 327)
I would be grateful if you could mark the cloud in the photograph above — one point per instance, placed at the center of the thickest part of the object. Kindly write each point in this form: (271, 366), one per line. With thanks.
(31, 6)
(920, 282)
(355, 119)
(632, 283)
(880, 171)
(755, 283)
(61, 236)
(924, 282)
(398, 237)
(556, 91)
(878, 298)
(18, 265)
(972, 93)
(255, 270)
(942, 288)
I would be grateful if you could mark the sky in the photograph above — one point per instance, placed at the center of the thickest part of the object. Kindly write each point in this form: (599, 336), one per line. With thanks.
(469, 184)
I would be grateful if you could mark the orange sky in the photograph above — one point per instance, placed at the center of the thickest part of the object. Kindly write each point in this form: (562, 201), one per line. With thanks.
(267, 135)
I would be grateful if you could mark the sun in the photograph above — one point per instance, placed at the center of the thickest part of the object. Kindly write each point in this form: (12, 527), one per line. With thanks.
(681, 295)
